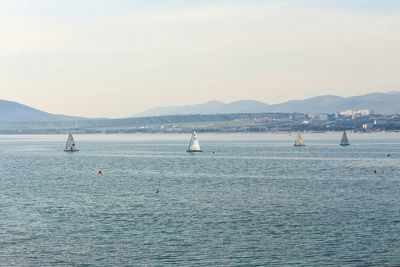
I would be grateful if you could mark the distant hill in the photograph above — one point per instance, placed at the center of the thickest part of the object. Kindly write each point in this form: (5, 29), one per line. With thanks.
(212, 107)
(15, 112)
(384, 103)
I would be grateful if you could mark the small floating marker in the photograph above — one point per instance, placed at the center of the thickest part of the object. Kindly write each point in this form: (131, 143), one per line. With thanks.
(159, 186)
(375, 171)
(100, 172)
(388, 155)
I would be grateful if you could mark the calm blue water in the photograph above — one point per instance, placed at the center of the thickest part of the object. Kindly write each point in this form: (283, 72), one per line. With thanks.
(257, 201)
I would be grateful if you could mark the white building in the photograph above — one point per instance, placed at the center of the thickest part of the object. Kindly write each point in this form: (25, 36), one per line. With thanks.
(358, 113)
(368, 126)
(348, 112)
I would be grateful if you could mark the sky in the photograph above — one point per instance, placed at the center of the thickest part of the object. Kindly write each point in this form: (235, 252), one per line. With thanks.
(101, 58)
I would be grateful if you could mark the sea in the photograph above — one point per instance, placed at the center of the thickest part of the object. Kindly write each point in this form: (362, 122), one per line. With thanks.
(247, 200)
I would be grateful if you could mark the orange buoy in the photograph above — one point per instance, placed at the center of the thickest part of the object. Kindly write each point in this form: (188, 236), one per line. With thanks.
(100, 172)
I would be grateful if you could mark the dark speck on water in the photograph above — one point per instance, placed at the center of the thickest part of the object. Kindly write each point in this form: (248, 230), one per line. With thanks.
(256, 201)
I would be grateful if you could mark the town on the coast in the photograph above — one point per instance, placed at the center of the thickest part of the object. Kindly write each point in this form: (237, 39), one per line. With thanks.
(352, 120)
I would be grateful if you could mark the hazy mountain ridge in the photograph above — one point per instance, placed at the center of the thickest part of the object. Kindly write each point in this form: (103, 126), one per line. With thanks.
(212, 107)
(14, 112)
(384, 103)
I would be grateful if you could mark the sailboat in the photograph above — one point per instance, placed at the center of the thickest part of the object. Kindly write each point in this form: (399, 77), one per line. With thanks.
(345, 140)
(70, 145)
(299, 140)
(194, 145)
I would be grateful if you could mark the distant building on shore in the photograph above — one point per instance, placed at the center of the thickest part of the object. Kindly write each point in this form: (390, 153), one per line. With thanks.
(358, 113)
(368, 126)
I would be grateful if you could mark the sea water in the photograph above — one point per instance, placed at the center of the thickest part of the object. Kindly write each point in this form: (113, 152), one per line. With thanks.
(256, 201)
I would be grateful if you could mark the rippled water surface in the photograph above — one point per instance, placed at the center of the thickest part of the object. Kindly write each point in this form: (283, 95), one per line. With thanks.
(257, 200)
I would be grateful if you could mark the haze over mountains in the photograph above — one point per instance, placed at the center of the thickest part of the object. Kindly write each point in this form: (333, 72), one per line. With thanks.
(15, 112)
(383, 103)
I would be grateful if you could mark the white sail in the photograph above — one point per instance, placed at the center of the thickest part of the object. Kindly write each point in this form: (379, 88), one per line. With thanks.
(194, 145)
(299, 140)
(345, 140)
(70, 145)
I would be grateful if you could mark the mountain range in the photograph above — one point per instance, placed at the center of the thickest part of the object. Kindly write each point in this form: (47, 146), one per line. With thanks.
(14, 112)
(382, 103)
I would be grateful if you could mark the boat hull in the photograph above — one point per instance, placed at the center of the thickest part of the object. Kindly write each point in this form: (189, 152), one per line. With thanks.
(194, 151)
(67, 150)
(299, 145)
(344, 144)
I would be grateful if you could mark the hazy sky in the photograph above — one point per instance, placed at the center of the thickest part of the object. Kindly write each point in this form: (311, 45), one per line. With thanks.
(116, 58)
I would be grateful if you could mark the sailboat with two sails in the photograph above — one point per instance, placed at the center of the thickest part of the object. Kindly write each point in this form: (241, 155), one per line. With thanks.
(70, 145)
(194, 145)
